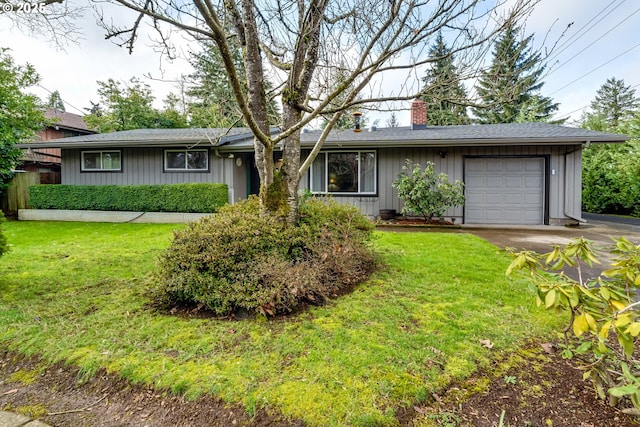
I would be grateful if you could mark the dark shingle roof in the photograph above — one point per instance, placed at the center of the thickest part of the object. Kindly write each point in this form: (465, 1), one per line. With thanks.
(150, 138)
(67, 120)
(241, 139)
(469, 135)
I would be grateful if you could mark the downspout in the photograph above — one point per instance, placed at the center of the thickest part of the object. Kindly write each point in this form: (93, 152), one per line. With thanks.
(566, 193)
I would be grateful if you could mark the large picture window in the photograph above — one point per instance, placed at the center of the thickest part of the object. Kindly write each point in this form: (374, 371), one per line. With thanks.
(97, 161)
(186, 160)
(346, 172)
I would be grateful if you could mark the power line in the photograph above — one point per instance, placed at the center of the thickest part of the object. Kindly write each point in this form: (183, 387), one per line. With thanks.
(595, 69)
(63, 101)
(593, 42)
(564, 46)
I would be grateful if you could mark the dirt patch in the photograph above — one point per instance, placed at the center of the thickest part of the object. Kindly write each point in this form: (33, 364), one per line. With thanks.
(55, 396)
(540, 390)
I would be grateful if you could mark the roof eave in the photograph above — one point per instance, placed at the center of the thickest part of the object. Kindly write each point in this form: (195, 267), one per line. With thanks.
(115, 144)
(466, 142)
(223, 143)
(72, 128)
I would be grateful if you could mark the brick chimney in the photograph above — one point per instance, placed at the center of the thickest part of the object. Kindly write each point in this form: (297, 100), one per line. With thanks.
(418, 114)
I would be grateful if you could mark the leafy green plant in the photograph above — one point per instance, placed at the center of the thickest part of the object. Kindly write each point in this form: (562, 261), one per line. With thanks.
(242, 259)
(20, 112)
(446, 419)
(510, 379)
(426, 193)
(602, 332)
(610, 178)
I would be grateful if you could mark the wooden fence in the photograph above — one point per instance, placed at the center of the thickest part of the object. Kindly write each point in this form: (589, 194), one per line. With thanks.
(17, 195)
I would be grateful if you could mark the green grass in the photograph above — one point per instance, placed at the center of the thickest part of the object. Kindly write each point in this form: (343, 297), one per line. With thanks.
(75, 292)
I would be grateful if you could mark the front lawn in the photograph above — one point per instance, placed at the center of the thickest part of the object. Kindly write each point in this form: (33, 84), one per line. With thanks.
(75, 292)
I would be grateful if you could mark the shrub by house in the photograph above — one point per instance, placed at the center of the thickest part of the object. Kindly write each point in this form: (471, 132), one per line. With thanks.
(241, 259)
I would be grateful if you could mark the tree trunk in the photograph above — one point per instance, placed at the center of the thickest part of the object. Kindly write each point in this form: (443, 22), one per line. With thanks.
(291, 161)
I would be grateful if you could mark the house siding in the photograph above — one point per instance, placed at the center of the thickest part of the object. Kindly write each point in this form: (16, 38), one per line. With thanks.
(144, 166)
(563, 180)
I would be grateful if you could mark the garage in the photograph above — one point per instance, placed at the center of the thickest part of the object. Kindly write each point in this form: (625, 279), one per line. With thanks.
(504, 190)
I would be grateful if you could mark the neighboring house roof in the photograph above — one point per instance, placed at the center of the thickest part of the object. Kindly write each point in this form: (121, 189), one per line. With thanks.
(241, 139)
(62, 119)
(41, 156)
(37, 157)
(63, 123)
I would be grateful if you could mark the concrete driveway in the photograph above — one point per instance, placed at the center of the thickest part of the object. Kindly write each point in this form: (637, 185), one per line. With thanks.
(600, 229)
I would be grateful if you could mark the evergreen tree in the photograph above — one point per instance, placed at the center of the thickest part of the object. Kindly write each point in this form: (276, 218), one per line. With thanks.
(444, 93)
(346, 121)
(55, 101)
(393, 122)
(509, 88)
(614, 102)
(211, 101)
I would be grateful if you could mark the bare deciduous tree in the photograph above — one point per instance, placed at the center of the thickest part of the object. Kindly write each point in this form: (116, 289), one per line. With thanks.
(55, 19)
(295, 43)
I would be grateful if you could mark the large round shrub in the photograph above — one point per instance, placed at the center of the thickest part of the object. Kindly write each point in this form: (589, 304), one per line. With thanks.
(4, 247)
(243, 259)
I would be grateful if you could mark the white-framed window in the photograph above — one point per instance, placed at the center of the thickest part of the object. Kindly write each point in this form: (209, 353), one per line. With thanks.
(99, 161)
(344, 172)
(186, 160)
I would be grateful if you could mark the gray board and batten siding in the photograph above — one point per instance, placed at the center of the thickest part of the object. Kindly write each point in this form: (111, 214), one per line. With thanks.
(540, 161)
(142, 154)
(145, 166)
(557, 182)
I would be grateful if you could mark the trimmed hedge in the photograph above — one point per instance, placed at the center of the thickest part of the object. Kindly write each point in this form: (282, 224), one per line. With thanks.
(198, 197)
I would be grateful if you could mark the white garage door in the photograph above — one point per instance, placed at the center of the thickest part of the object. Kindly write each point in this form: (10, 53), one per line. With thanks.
(504, 191)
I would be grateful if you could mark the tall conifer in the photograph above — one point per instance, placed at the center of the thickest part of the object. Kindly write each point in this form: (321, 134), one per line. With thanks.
(613, 103)
(212, 102)
(510, 87)
(444, 93)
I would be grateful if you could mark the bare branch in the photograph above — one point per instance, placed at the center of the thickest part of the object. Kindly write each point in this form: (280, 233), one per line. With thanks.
(53, 19)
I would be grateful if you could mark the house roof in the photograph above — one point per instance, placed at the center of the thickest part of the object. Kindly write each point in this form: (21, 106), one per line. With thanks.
(66, 120)
(46, 155)
(450, 136)
(241, 139)
(471, 134)
(150, 138)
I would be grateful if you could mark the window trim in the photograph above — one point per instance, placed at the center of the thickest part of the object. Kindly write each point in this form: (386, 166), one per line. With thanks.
(101, 169)
(345, 193)
(185, 169)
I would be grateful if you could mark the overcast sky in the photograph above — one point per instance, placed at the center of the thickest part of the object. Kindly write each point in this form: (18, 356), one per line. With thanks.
(602, 42)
